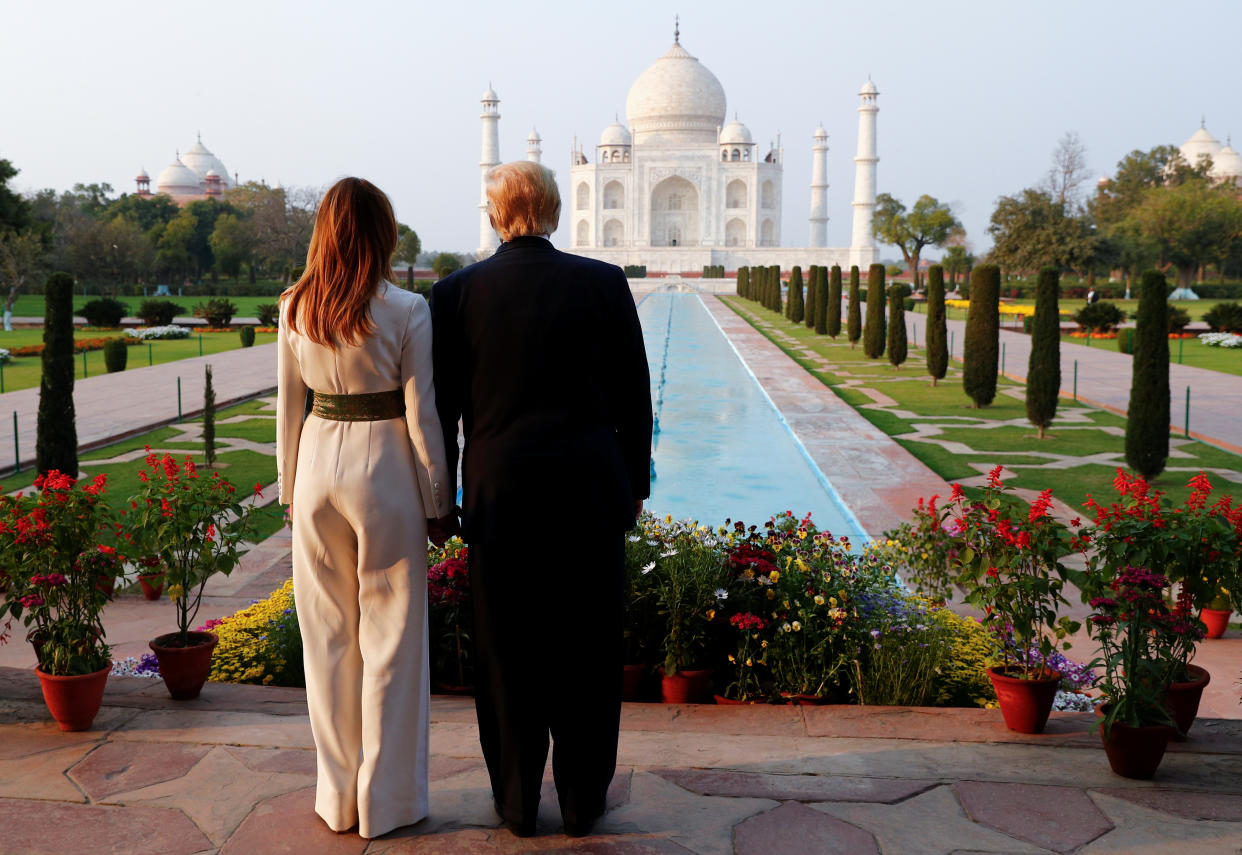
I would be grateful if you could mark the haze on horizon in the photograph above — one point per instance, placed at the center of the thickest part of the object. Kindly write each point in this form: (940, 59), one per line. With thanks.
(974, 96)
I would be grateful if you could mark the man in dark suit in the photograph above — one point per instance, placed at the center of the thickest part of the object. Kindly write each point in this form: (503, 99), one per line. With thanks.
(541, 355)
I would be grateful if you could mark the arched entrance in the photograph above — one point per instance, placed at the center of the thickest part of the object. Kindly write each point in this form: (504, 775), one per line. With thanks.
(675, 213)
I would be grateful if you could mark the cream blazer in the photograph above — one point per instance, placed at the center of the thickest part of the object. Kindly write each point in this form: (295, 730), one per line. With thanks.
(397, 355)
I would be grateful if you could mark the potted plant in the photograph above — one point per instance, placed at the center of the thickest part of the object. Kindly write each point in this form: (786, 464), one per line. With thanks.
(1215, 615)
(1134, 627)
(643, 632)
(194, 525)
(151, 577)
(54, 537)
(451, 618)
(1010, 560)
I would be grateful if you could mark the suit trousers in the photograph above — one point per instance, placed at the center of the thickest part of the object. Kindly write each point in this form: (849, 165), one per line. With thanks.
(360, 582)
(548, 645)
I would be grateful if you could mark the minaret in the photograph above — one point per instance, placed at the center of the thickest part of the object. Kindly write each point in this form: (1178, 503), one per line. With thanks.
(533, 151)
(862, 244)
(490, 157)
(819, 188)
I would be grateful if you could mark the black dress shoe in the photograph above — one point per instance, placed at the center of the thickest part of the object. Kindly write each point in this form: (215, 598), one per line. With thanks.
(580, 827)
(519, 828)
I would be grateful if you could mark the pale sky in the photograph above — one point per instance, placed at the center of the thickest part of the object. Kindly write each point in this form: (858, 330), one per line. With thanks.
(973, 95)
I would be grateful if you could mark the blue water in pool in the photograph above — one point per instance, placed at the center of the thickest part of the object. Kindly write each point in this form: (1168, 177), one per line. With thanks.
(721, 450)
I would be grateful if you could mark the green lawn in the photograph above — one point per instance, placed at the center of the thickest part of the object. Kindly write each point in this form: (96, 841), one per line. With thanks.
(1186, 351)
(1079, 431)
(23, 372)
(1195, 308)
(31, 305)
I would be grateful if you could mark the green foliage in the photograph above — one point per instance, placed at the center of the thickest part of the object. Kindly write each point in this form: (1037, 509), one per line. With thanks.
(209, 415)
(1178, 319)
(1125, 340)
(905, 648)
(1099, 317)
(104, 312)
(812, 294)
(777, 302)
(633, 271)
(743, 282)
(897, 345)
(875, 332)
(218, 313)
(963, 680)
(1225, 317)
(832, 321)
(408, 245)
(14, 210)
(116, 353)
(159, 313)
(1043, 374)
(821, 301)
(1190, 225)
(247, 336)
(445, 263)
(936, 337)
(928, 223)
(1033, 230)
(981, 354)
(713, 271)
(267, 314)
(797, 308)
(853, 317)
(1147, 424)
(56, 446)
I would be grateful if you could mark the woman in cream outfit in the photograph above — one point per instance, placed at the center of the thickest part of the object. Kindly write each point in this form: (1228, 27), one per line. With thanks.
(366, 484)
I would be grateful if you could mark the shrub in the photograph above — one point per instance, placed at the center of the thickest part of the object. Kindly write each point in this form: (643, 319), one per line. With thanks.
(269, 312)
(797, 309)
(445, 263)
(874, 332)
(260, 644)
(937, 337)
(812, 294)
(853, 319)
(821, 301)
(1099, 317)
(981, 354)
(1043, 374)
(104, 312)
(159, 313)
(962, 680)
(1147, 422)
(1125, 340)
(1225, 317)
(247, 336)
(897, 349)
(743, 282)
(56, 443)
(218, 313)
(116, 353)
(905, 649)
(834, 301)
(634, 271)
(1178, 319)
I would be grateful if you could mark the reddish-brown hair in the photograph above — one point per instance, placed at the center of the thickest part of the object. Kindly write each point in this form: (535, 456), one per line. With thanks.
(522, 199)
(350, 254)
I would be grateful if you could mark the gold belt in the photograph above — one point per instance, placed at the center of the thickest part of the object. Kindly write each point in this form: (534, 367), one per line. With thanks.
(367, 407)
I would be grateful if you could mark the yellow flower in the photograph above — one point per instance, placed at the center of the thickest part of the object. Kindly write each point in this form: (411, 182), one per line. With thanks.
(731, 659)
(785, 603)
(771, 594)
(832, 601)
(750, 663)
(774, 576)
(819, 599)
(763, 643)
(797, 626)
(748, 574)
(175, 592)
(711, 614)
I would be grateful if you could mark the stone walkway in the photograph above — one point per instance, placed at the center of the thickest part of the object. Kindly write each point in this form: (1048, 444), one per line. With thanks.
(233, 772)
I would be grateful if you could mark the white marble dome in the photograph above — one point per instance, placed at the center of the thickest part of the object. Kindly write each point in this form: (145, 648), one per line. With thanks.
(490, 94)
(868, 88)
(616, 134)
(676, 99)
(735, 133)
(1227, 164)
(201, 161)
(177, 179)
(1200, 143)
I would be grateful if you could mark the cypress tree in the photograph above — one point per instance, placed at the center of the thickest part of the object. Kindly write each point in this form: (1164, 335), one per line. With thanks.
(776, 291)
(1147, 424)
(936, 339)
(797, 308)
(811, 282)
(834, 301)
(981, 354)
(853, 320)
(56, 439)
(874, 332)
(821, 301)
(1043, 373)
(209, 418)
(743, 282)
(897, 350)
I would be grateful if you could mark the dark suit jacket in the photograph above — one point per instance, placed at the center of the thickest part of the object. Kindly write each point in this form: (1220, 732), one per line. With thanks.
(540, 354)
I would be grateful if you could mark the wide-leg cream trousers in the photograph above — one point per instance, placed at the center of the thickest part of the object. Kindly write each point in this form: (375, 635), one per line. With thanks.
(360, 582)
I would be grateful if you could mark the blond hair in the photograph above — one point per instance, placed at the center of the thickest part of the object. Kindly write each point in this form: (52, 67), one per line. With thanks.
(522, 199)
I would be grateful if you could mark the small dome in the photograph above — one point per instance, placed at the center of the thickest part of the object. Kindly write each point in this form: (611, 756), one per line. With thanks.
(490, 94)
(533, 136)
(177, 179)
(735, 133)
(676, 99)
(1227, 163)
(1200, 143)
(142, 175)
(211, 173)
(616, 134)
(868, 88)
(820, 133)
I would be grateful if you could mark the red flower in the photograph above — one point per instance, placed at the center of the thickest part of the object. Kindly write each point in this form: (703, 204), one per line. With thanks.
(958, 495)
(1040, 506)
(994, 477)
(258, 489)
(993, 572)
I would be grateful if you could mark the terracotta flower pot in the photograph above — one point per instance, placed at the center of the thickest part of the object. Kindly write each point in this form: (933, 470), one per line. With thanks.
(684, 687)
(36, 641)
(1217, 621)
(631, 680)
(1135, 752)
(1025, 704)
(1182, 699)
(74, 701)
(184, 669)
(152, 584)
(802, 700)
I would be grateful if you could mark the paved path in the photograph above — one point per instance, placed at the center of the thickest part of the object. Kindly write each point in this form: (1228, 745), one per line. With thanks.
(233, 772)
(109, 406)
(1104, 380)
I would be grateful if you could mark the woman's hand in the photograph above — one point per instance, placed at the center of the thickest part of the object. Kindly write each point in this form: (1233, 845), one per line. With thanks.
(440, 530)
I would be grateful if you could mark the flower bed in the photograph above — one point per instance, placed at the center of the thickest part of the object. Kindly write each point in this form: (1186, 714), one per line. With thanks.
(259, 644)
(169, 331)
(79, 346)
(1221, 339)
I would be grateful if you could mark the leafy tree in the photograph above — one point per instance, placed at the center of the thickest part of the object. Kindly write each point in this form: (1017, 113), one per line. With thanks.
(981, 357)
(113, 252)
(93, 198)
(897, 344)
(56, 442)
(812, 279)
(22, 259)
(1138, 172)
(833, 322)
(146, 212)
(957, 261)
(1147, 422)
(445, 264)
(282, 220)
(875, 332)
(929, 223)
(408, 245)
(853, 318)
(1033, 230)
(936, 338)
(821, 301)
(797, 309)
(1043, 374)
(1191, 224)
(232, 244)
(14, 210)
(172, 254)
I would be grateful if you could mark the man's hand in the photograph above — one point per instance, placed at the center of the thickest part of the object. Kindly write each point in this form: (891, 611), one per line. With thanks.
(638, 509)
(440, 530)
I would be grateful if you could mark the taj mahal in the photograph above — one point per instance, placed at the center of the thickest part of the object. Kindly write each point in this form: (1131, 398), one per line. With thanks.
(677, 187)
